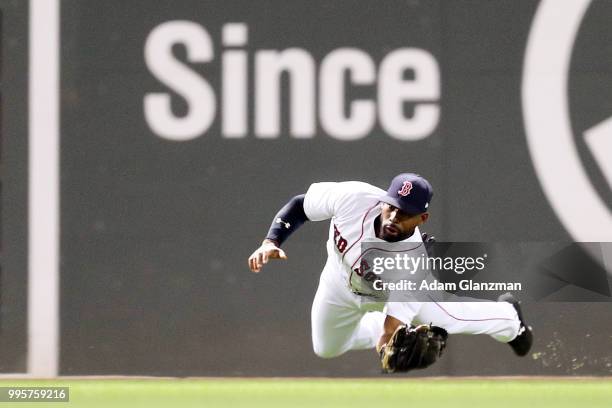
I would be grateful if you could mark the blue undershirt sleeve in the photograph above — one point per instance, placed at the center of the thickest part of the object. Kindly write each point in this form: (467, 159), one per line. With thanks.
(287, 220)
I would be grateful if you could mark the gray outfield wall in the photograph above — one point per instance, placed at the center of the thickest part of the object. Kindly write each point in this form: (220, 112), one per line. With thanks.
(172, 168)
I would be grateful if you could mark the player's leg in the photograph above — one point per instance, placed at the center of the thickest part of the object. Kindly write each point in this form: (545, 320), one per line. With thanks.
(335, 318)
(368, 331)
(341, 321)
(496, 319)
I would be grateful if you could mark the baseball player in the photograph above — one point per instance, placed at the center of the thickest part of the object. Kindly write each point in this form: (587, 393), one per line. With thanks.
(344, 317)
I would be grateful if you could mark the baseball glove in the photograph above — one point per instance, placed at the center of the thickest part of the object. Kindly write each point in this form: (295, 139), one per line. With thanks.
(413, 347)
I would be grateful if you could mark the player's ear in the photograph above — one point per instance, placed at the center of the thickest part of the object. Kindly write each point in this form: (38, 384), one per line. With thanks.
(424, 217)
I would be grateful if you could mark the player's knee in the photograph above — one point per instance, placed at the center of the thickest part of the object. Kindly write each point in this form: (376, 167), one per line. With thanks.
(324, 351)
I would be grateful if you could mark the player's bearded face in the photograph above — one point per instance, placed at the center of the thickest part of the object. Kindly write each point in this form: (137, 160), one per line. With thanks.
(397, 225)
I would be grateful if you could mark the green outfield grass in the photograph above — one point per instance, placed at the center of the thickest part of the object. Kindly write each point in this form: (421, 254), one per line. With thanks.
(287, 393)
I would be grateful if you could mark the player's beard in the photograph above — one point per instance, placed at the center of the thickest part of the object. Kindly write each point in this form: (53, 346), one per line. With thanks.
(391, 233)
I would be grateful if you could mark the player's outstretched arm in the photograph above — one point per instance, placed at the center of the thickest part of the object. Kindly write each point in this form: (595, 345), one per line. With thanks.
(286, 221)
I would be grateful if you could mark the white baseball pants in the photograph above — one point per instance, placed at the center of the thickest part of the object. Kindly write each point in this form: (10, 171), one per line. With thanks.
(343, 321)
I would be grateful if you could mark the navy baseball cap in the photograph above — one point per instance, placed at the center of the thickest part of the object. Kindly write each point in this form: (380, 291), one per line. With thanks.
(410, 193)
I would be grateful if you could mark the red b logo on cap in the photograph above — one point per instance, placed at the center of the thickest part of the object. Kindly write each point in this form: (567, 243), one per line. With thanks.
(405, 189)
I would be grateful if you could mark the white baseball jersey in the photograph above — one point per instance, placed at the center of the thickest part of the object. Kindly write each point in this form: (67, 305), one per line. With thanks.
(352, 206)
(342, 316)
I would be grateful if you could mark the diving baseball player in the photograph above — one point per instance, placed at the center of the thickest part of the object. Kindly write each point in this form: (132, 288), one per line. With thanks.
(406, 334)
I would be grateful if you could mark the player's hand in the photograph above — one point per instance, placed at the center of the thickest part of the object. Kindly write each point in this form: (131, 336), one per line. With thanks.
(268, 250)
